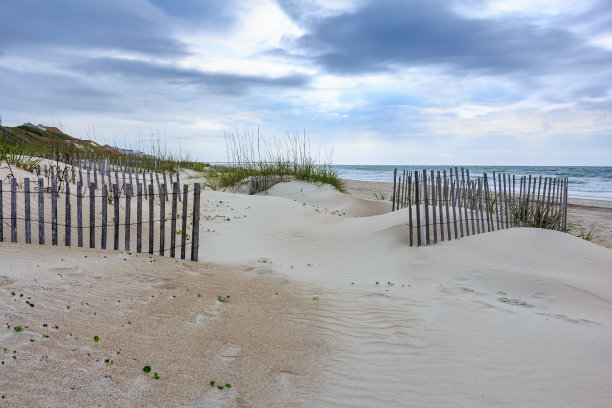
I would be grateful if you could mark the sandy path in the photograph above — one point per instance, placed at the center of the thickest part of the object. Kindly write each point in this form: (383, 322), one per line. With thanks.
(259, 340)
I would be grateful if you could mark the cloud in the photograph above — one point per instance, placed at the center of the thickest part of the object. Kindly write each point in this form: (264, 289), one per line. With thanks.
(170, 75)
(109, 24)
(385, 34)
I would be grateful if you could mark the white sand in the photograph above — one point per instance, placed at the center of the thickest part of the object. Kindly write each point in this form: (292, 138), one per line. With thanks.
(519, 317)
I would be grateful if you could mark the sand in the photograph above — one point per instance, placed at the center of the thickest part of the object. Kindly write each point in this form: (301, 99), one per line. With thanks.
(329, 306)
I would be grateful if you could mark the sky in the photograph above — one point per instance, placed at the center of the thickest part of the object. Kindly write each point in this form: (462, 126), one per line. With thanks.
(457, 82)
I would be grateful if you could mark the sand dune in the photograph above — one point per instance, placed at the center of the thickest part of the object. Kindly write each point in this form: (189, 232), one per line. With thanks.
(519, 317)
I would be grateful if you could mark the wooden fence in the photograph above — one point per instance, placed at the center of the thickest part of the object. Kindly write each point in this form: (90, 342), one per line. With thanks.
(52, 206)
(443, 206)
(258, 184)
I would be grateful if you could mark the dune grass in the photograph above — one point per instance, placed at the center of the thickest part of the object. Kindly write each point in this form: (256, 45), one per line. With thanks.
(252, 156)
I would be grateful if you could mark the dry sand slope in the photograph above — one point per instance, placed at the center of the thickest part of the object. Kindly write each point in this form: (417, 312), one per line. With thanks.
(517, 317)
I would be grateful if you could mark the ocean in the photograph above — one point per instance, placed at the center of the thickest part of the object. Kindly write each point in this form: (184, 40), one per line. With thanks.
(584, 182)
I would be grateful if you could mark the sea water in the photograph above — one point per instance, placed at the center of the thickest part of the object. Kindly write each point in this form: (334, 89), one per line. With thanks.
(584, 182)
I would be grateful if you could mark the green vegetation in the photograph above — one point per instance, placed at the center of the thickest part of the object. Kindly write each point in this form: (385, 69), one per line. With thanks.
(146, 369)
(253, 157)
(17, 328)
(155, 375)
(223, 298)
(96, 338)
(21, 143)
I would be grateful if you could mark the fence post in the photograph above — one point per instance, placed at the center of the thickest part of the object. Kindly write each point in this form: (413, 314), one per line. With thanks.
(565, 205)
(92, 215)
(116, 216)
(433, 207)
(151, 217)
(175, 191)
(13, 210)
(184, 221)
(53, 211)
(79, 214)
(195, 233)
(139, 218)
(104, 215)
(128, 208)
(68, 215)
(394, 184)
(28, 221)
(409, 206)
(41, 211)
(162, 219)
(417, 206)
(425, 206)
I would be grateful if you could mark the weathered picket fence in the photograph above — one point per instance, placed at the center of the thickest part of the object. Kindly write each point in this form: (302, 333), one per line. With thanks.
(92, 217)
(258, 184)
(442, 206)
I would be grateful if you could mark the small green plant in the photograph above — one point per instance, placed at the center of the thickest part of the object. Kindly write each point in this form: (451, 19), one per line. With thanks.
(129, 322)
(155, 375)
(315, 298)
(17, 328)
(96, 338)
(146, 369)
(5, 349)
(220, 387)
(199, 295)
(212, 382)
(223, 298)
(228, 385)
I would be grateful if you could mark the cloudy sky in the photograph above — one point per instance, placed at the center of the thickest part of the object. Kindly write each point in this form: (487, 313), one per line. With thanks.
(380, 81)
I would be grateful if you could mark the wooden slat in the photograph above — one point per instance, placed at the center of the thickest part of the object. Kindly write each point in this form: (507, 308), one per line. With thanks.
(68, 216)
(446, 192)
(80, 214)
(28, 220)
(41, 211)
(410, 224)
(104, 203)
(175, 193)
(92, 215)
(433, 208)
(13, 210)
(139, 218)
(480, 203)
(151, 202)
(184, 221)
(440, 201)
(490, 224)
(195, 233)
(475, 204)
(453, 201)
(425, 207)
(53, 211)
(128, 217)
(565, 205)
(394, 187)
(116, 216)
(162, 220)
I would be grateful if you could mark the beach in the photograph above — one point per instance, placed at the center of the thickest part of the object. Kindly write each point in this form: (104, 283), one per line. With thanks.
(305, 296)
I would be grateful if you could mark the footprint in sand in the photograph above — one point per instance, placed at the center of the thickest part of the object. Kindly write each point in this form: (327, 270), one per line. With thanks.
(514, 302)
(5, 280)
